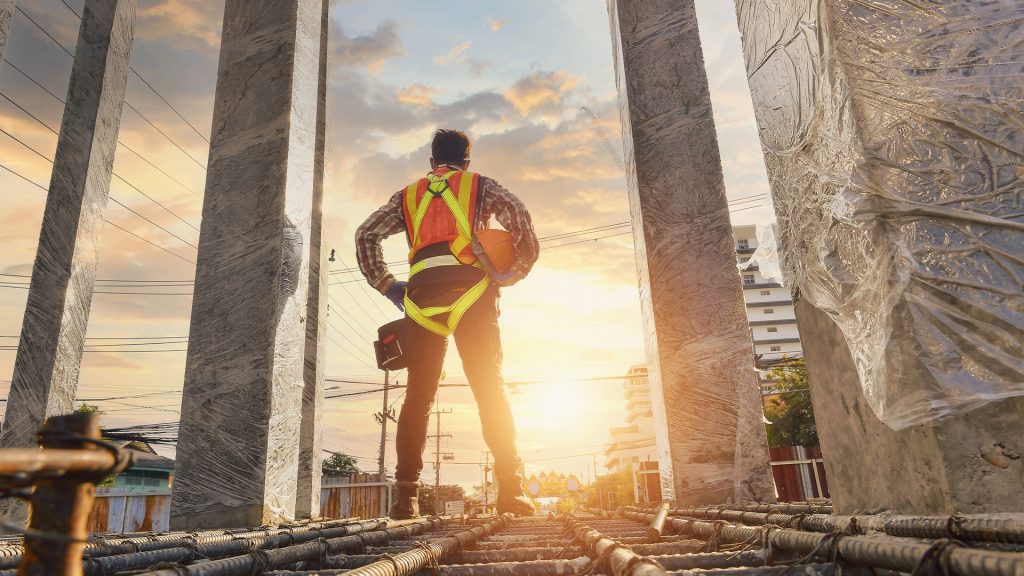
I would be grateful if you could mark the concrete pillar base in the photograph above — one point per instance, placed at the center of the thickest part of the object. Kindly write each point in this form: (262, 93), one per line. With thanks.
(968, 464)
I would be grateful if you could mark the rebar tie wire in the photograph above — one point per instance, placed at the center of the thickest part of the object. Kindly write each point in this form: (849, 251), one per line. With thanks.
(935, 559)
(362, 542)
(954, 527)
(712, 545)
(260, 562)
(432, 558)
(394, 562)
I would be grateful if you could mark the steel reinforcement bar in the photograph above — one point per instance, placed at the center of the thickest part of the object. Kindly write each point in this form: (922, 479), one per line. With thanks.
(779, 508)
(1006, 529)
(886, 552)
(209, 544)
(260, 561)
(620, 559)
(356, 540)
(430, 553)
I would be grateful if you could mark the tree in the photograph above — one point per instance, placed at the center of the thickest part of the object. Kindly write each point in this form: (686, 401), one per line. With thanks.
(88, 408)
(611, 491)
(789, 410)
(339, 465)
(449, 492)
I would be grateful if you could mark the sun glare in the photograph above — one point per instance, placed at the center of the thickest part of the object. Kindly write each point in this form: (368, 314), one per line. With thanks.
(549, 405)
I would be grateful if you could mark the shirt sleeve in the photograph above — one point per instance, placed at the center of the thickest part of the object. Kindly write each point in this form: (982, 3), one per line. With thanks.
(385, 221)
(511, 213)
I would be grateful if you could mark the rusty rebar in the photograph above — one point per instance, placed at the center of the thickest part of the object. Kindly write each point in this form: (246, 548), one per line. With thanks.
(430, 553)
(1005, 529)
(63, 496)
(620, 559)
(886, 552)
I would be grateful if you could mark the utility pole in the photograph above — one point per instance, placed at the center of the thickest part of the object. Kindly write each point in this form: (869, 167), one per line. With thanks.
(382, 417)
(487, 469)
(597, 483)
(437, 460)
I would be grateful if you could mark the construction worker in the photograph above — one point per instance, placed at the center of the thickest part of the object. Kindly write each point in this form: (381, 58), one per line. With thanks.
(452, 289)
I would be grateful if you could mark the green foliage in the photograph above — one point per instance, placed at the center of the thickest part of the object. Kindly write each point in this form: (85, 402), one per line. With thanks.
(88, 408)
(449, 492)
(611, 491)
(339, 465)
(790, 411)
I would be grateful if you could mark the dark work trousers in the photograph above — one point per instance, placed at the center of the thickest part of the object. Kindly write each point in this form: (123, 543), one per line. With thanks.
(479, 343)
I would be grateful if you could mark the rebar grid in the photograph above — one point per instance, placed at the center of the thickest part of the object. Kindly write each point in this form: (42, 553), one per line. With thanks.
(881, 551)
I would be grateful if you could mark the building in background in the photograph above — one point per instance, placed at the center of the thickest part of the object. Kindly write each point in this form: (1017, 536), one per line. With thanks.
(769, 305)
(770, 312)
(633, 443)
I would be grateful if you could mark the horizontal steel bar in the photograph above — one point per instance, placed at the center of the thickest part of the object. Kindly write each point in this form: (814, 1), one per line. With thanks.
(33, 462)
(887, 552)
(800, 570)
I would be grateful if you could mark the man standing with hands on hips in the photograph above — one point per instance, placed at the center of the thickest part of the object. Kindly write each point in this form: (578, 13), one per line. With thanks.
(456, 268)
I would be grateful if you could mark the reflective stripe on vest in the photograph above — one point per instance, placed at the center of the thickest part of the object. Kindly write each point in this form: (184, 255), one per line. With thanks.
(461, 208)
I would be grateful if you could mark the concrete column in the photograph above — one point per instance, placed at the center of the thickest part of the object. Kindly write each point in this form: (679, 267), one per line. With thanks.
(307, 495)
(238, 447)
(6, 11)
(707, 404)
(893, 171)
(53, 331)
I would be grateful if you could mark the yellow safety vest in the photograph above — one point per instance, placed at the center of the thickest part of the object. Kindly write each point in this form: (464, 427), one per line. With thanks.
(437, 187)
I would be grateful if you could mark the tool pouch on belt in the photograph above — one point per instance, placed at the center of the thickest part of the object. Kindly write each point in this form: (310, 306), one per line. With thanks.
(388, 347)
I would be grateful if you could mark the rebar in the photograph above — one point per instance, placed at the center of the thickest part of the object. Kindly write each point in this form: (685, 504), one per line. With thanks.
(657, 527)
(620, 559)
(266, 558)
(887, 552)
(1007, 529)
(429, 553)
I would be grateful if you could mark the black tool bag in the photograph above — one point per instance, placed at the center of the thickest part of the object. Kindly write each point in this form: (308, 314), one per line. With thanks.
(388, 347)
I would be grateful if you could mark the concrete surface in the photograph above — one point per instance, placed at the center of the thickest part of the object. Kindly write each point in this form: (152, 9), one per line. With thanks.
(707, 404)
(237, 459)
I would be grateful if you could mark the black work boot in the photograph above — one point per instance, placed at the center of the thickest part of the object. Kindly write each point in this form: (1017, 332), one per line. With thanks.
(511, 499)
(407, 504)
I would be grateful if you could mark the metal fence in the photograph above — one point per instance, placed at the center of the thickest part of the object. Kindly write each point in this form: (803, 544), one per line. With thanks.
(799, 473)
(357, 496)
(122, 512)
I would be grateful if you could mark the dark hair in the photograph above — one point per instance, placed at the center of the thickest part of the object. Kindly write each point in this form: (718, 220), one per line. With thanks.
(450, 147)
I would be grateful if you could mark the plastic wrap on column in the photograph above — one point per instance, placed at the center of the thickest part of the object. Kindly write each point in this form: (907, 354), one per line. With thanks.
(706, 401)
(237, 459)
(892, 135)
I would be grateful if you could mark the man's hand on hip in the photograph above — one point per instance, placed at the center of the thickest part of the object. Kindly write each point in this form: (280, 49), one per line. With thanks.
(396, 293)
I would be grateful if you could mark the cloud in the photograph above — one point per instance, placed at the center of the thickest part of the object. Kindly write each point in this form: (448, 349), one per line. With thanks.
(494, 25)
(196, 19)
(459, 55)
(417, 95)
(371, 50)
(541, 91)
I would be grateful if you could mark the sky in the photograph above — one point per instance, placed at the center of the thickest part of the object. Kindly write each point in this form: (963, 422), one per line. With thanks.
(515, 76)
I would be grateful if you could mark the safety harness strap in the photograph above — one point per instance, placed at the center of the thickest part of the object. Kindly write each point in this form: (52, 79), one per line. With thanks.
(438, 187)
(455, 311)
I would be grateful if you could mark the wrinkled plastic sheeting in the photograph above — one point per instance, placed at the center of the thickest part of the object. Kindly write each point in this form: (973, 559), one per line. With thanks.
(893, 138)
(766, 255)
(706, 403)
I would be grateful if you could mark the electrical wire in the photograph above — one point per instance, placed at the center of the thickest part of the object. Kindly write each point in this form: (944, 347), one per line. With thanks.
(126, 102)
(114, 174)
(148, 85)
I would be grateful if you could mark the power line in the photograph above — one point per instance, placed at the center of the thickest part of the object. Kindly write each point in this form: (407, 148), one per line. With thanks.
(126, 102)
(112, 199)
(115, 174)
(155, 245)
(148, 85)
(122, 144)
